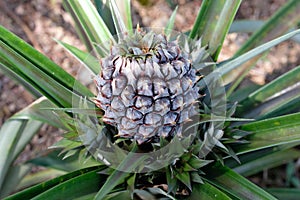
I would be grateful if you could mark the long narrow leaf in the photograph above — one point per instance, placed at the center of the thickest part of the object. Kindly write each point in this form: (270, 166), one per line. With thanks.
(44, 83)
(104, 11)
(77, 176)
(245, 26)
(281, 22)
(287, 108)
(278, 85)
(118, 195)
(170, 24)
(13, 177)
(17, 131)
(108, 14)
(119, 175)
(125, 10)
(89, 61)
(118, 19)
(248, 157)
(226, 68)
(27, 52)
(208, 192)
(213, 22)
(290, 78)
(20, 80)
(285, 193)
(274, 105)
(15, 134)
(250, 26)
(271, 132)
(19, 178)
(267, 162)
(75, 187)
(32, 179)
(234, 184)
(89, 24)
(55, 161)
(36, 111)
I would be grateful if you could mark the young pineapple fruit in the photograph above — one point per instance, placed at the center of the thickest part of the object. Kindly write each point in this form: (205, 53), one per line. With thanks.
(147, 87)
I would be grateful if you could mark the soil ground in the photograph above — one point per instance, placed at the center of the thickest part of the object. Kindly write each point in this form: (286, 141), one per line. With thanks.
(39, 21)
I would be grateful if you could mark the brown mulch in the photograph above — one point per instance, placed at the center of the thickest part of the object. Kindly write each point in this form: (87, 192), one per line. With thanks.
(38, 21)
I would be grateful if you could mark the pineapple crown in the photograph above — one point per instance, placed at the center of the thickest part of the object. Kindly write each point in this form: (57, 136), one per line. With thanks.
(140, 44)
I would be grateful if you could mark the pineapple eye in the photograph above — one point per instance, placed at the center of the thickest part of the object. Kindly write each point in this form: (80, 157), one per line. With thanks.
(145, 86)
(133, 114)
(143, 102)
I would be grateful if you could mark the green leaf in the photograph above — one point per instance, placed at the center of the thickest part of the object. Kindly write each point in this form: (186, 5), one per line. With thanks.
(226, 68)
(11, 74)
(54, 160)
(171, 181)
(119, 174)
(118, 20)
(253, 155)
(67, 144)
(208, 192)
(120, 195)
(276, 86)
(185, 178)
(125, 10)
(18, 49)
(104, 12)
(197, 163)
(56, 92)
(75, 187)
(234, 184)
(291, 176)
(282, 21)
(13, 177)
(90, 25)
(17, 131)
(285, 193)
(213, 22)
(151, 194)
(275, 104)
(89, 61)
(15, 134)
(36, 112)
(74, 184)
(169, 27)
(266, 162)
(250, 26)
(289, 107)
(242, 94)
(271, 132)
(32, 179)
(45, 81)
(196, 178)
(160, 192)
(246, 26)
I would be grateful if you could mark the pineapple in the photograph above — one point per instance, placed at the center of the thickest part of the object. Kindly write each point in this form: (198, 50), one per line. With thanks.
(154, 88)
(148, 87)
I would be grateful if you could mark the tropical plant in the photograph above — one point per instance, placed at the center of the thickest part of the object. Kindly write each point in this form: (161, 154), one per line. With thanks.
(168, 122)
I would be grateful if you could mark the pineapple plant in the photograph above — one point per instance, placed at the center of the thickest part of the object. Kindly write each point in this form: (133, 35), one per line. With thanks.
(167, 120)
